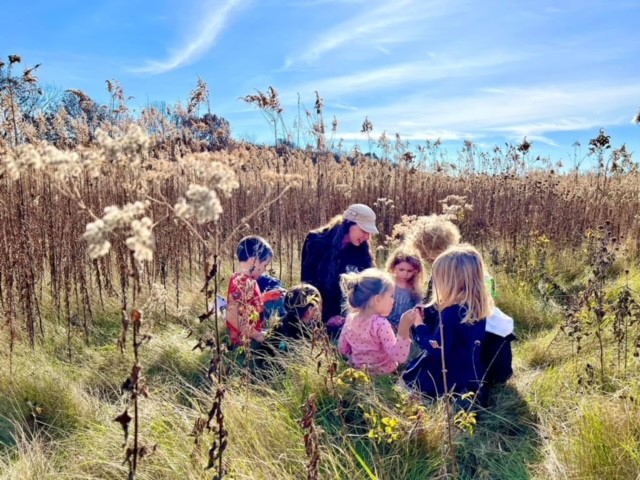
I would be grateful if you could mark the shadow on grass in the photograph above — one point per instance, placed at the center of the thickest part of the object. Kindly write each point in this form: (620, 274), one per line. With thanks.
(7, 437)
(506, 441)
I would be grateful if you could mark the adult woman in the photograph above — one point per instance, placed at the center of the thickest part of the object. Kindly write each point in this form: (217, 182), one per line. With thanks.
(340, 246)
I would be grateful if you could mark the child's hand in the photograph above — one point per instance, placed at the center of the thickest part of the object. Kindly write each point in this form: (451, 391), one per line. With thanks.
(272, 295)
(407, 319)
(434, 344)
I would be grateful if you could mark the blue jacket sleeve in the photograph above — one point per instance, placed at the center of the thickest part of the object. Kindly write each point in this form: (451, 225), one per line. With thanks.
(421, 335)
(424, 334)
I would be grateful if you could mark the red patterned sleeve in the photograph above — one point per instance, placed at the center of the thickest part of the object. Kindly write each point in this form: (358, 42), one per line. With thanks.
(235, 292)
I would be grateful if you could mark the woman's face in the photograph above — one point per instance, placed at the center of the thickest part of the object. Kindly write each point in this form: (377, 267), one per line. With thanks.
(357, 236)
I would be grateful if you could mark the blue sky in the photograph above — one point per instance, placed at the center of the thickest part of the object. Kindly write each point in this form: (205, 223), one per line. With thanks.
(491, 71)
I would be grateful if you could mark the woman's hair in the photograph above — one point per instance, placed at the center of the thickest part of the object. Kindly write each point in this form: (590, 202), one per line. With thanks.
(359, 288)
(459, 279)
(335, 230)
(299, 299)
(331, 224)
(254, 246)
(405, 255)
(432, 235)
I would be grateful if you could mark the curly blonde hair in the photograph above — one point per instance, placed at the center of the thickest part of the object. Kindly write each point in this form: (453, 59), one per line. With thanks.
(431, 235)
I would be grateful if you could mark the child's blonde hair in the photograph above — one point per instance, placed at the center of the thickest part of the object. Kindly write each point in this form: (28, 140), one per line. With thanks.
(359, 288)
(459, 279)
(406, 255)
(432, 235)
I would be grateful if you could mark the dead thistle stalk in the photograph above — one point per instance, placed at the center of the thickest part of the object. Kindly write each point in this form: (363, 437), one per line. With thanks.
(311, 438)
(135, 386)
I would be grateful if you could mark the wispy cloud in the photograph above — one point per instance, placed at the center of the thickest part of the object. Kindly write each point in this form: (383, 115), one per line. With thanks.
(414, 136)
(384, 24)
(342, 106)
(410, 73)
(514, 112)
(315, 3)
(537, 139)
(214, 20)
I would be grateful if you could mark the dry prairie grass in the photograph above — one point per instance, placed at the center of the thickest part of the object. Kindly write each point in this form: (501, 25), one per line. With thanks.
(166, 196)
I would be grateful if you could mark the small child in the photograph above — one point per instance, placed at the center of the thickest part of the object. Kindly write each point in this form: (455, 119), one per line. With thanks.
(302, 307)
(245, 302)
(407, 269)
(431, 236)
(463, 303)
(367, 338)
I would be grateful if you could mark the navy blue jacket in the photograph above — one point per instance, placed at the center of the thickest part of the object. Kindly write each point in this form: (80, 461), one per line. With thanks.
(462, 349)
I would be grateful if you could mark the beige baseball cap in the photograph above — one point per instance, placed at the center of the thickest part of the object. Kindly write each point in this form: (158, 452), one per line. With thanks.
(363, 216)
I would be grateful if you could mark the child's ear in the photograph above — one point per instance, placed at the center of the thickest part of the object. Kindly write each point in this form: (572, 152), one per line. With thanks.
(376, 300)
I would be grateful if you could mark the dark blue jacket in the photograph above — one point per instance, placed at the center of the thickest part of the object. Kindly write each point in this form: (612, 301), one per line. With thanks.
(495, 353)
(276, 307)
(462, 349)
(322, 269)
(497, 357)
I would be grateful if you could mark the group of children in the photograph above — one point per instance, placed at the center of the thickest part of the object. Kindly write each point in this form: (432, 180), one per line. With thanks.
(453, 337)
(294, 311)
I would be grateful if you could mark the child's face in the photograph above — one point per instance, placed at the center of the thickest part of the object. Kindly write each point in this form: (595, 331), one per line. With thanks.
(258, 267)
(404, 271)
(383, 303)
(311, 315)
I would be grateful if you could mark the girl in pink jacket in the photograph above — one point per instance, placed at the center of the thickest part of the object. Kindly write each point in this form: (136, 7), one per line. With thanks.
(367, 339)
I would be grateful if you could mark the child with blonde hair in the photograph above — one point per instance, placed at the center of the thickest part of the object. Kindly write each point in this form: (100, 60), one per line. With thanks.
(452, 352)
(367, 338)
(406, 267)
(432, 235)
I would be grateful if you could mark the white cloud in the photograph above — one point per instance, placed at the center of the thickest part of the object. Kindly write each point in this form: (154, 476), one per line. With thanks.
(206, 35)
(514, 112)
(315, 3)
(414, 136)
(410, 73)
(342, 106)
(537, 139)
(384, 24)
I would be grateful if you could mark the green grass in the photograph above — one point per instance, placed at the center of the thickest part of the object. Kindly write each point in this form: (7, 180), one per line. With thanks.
(551, 421)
